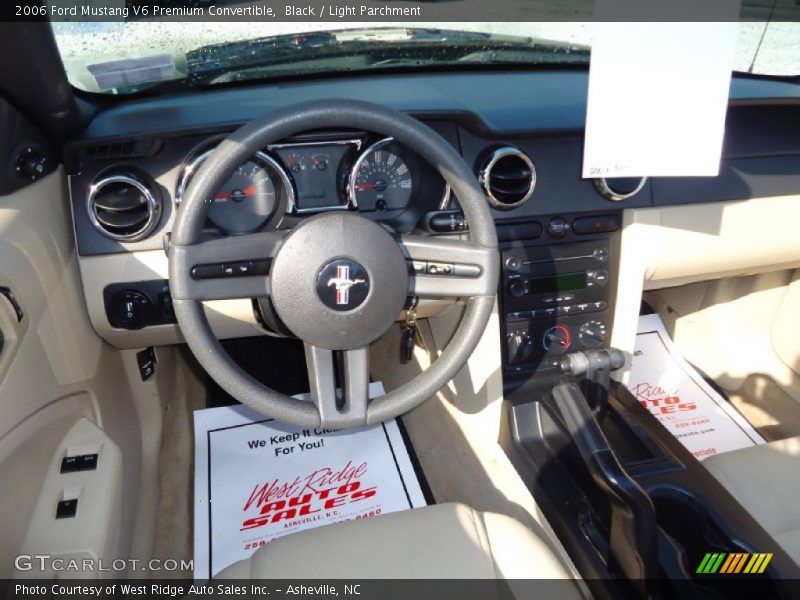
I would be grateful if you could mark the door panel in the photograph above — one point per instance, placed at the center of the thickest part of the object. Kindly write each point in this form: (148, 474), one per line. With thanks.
(54, 369)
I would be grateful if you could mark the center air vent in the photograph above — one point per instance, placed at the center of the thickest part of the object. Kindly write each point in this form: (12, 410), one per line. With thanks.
(620, 188)
(508, 178)
(123, 207)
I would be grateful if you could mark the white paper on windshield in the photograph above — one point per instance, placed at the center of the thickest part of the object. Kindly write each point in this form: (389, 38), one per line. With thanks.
(672, 390)
(257, 479)
(658, 94)
(133, 71)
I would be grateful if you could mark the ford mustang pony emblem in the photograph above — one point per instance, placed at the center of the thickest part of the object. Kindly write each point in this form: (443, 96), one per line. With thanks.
(343, 284)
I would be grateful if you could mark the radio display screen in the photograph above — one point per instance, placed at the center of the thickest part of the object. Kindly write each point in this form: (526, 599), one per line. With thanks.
(563, 282)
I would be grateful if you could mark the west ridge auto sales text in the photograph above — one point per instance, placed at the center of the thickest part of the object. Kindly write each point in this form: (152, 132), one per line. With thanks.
(174, 591)
(156, 11)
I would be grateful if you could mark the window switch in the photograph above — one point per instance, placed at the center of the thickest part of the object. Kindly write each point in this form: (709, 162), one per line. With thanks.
(66, 509)
(70, 464)
(82, 462)
(88, 462)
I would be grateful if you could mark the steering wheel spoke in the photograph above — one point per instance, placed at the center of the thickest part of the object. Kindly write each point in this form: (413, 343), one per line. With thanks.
(227, 268)
(443, 267)
(351, 409)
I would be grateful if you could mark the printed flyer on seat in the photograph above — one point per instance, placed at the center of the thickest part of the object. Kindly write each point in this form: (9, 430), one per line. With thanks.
(678, 396)
(257, 480)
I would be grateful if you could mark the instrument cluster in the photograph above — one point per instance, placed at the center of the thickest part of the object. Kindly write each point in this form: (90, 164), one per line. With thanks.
(367, 174)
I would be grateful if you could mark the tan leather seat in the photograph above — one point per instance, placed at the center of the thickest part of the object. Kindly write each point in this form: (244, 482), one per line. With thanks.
(765, 479)
(444, 541)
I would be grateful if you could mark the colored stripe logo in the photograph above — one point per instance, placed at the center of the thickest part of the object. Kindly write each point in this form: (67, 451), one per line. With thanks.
(734, 562)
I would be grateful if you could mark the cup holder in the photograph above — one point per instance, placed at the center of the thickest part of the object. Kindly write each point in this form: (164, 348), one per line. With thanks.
(687, 521)
(695, 531)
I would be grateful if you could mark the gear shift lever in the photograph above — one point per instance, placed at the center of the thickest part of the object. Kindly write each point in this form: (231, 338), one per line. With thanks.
(595, 367)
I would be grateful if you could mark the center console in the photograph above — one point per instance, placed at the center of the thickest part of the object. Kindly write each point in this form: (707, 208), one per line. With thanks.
(557, 290)
(635, 510)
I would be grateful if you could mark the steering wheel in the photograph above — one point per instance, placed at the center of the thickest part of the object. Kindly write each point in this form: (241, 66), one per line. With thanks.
(338, 281)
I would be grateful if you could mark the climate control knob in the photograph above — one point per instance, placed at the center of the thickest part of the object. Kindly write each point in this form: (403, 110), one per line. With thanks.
(557, 339)
(592, 334)
(519, 346)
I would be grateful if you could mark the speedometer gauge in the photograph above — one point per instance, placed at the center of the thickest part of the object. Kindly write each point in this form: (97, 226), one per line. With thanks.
(248, 198)
(380, 179)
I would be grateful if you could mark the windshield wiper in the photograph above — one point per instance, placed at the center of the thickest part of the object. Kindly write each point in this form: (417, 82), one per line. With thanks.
(357, 49)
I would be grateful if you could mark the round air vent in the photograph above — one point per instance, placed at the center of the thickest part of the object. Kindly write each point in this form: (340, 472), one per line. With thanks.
(123, 207)
(617, 189)
(508, 178)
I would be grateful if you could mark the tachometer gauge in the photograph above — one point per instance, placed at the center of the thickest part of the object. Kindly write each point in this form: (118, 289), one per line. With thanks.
(380, 179)
(250, 196)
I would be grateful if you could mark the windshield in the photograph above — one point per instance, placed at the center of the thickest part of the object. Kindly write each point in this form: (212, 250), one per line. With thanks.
(127, 57)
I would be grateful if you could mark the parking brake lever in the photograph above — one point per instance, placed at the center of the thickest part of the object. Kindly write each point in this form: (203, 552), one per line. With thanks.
(632, 539)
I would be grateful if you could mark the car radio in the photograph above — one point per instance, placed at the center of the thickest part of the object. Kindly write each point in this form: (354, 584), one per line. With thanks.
(556, 298)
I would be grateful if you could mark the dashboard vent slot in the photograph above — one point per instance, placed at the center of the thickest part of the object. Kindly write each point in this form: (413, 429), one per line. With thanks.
(124, 208)
(508, 178)
(121, 150)
(104, 151)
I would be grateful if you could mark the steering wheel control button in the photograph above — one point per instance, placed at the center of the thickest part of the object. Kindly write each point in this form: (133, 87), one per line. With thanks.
(443, 269)
(260, 267)
(242, 268)
(417, 266)
(439, 269)
(343, 285)
(557, 228)
(467, 270)
(213, 271)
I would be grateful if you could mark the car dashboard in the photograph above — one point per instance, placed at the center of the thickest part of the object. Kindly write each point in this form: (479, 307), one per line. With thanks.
(566, 260)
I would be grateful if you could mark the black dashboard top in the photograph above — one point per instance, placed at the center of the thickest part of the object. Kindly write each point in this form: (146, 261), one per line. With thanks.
(541, 114)
(503, 103)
